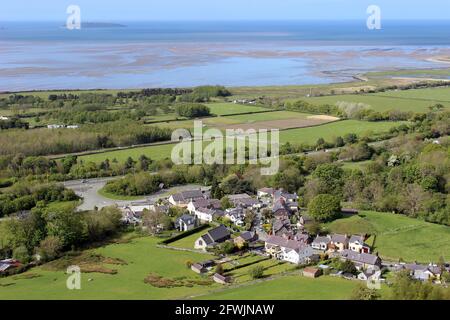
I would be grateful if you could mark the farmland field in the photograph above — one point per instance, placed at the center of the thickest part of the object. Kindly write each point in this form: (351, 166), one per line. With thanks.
(332, 130)
(398, 236)
(297, 136)
(407, 100)
(290, 288)
(225, 108)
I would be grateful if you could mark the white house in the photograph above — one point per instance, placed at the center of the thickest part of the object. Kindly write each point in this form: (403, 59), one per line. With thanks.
(4, 118)
(321, 243)
(182, 199)
(357, 244)
(207, 215)
(203, 203)
(236, 215)
(292, 251)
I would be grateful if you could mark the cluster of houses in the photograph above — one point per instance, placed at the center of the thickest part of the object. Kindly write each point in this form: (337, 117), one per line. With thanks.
(285, 241)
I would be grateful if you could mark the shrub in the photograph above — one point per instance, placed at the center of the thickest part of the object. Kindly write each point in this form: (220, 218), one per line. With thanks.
(256, 272)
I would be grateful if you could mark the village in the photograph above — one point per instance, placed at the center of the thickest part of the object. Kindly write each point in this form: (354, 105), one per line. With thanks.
(270, 224)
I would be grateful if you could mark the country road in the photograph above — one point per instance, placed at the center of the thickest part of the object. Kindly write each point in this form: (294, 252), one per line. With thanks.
(88, 190)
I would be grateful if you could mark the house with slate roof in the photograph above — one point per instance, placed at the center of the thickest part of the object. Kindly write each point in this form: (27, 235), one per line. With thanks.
(183, 198)
(357, 244)
(186, 222)
(212, 237)
(363, 260)
(292, 251)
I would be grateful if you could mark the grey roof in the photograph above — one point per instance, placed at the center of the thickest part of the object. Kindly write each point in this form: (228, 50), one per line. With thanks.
(187, 219)
(247, 235)
(239, 196)
(280, 205)
(208, 240)
(188, 195)
(322, 240)
(267, 190)
(365, 258)
(245, 202)
(342, 238)
(301, 237)
(206, 203)
(219, 234)
(221, 277)
(285, 243)
(359, 239)
(419, 267)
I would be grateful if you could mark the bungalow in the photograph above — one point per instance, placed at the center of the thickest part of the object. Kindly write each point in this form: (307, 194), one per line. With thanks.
(310, 272)
(362, 260)
(183, 198)
(357, 244)
(221, 278)
(422, 272)
(245, 238)
(288, 250)
(321, 243)
(186, 222)
(212, 237)
(243, 200)
(207, 215)
(339, 242)
(203, 203)
(202, 267)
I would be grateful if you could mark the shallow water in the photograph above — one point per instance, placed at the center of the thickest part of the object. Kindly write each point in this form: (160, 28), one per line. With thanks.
(177, 54)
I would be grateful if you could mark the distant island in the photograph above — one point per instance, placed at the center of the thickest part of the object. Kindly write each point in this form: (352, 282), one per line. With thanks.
(93, 25)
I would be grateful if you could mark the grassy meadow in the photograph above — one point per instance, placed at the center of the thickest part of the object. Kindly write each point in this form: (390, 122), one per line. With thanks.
(408, 100)
(398, 236)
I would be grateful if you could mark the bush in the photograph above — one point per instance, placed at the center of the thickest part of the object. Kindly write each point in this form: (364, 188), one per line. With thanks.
(192, 110)
(49, 248)
(256, 272)
(21, 254)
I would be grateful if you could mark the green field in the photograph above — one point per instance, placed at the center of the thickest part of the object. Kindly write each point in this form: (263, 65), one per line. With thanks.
(188, 242)
(433, 94)
(398, 236)
(331, 130)
(290, 288)
(276, 115)
(142, 258)
(295, 136)
(222, 109)
(407, 100)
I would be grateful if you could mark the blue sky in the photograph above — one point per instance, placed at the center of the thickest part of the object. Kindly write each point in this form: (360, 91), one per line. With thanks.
(126, 10)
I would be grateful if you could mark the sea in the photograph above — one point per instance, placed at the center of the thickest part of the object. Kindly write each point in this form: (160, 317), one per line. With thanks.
(121, 55)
